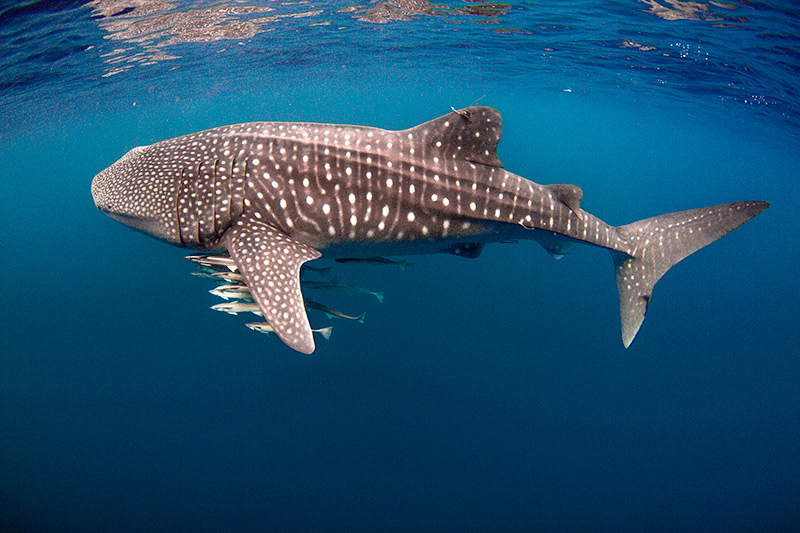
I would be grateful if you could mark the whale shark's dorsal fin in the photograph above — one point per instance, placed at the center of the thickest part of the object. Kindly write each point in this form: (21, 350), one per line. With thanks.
(270, 262)
(469, 134)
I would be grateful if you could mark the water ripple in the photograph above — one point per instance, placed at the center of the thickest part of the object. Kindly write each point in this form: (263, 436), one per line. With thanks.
(714, 52)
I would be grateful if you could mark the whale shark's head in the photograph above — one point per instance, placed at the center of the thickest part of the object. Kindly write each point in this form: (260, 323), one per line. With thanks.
(138, 195)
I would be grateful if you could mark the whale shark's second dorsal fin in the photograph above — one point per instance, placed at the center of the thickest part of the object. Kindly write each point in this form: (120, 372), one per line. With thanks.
(568, 194)
(469, 134)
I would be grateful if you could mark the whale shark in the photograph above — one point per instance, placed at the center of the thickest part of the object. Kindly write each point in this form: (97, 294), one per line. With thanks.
(276, 195)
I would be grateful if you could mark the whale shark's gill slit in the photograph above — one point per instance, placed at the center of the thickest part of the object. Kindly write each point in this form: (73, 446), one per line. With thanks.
(234, 188)
(214, 201)
(244, 184)
(189, 222)
(196, 211)
(178, 211)
(218, 180)
(202, 208)
(193, 190)
(225, 188)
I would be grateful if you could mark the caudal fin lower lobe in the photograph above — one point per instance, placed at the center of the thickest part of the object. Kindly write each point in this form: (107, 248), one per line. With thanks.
(660, 242)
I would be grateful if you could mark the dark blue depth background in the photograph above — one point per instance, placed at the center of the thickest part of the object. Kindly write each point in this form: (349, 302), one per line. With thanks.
(484, 395)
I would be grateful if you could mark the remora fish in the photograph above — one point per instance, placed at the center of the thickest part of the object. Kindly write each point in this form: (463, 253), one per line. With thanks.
(230, 277)
(276, 195)
(333, 285)
(324, 272)
(231, 291)
(332, 313)
(218, 262)
(264, 327)
(234, 308)
(381, 261)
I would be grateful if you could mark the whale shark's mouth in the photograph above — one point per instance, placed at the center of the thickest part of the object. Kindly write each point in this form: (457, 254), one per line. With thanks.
(146, 225)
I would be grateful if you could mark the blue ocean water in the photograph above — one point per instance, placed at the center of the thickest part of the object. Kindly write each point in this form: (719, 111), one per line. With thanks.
(490, 394)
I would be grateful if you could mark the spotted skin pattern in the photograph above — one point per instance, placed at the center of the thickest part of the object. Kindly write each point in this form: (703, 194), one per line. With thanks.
(278, 194)
(259, 250)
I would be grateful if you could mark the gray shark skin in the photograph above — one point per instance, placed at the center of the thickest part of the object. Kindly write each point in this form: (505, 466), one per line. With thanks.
(276, 195)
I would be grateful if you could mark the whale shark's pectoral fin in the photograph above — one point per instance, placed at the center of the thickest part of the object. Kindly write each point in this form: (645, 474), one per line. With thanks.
(270, 262)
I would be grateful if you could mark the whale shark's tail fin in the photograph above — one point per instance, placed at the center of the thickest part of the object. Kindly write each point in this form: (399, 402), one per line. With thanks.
(660, 242)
